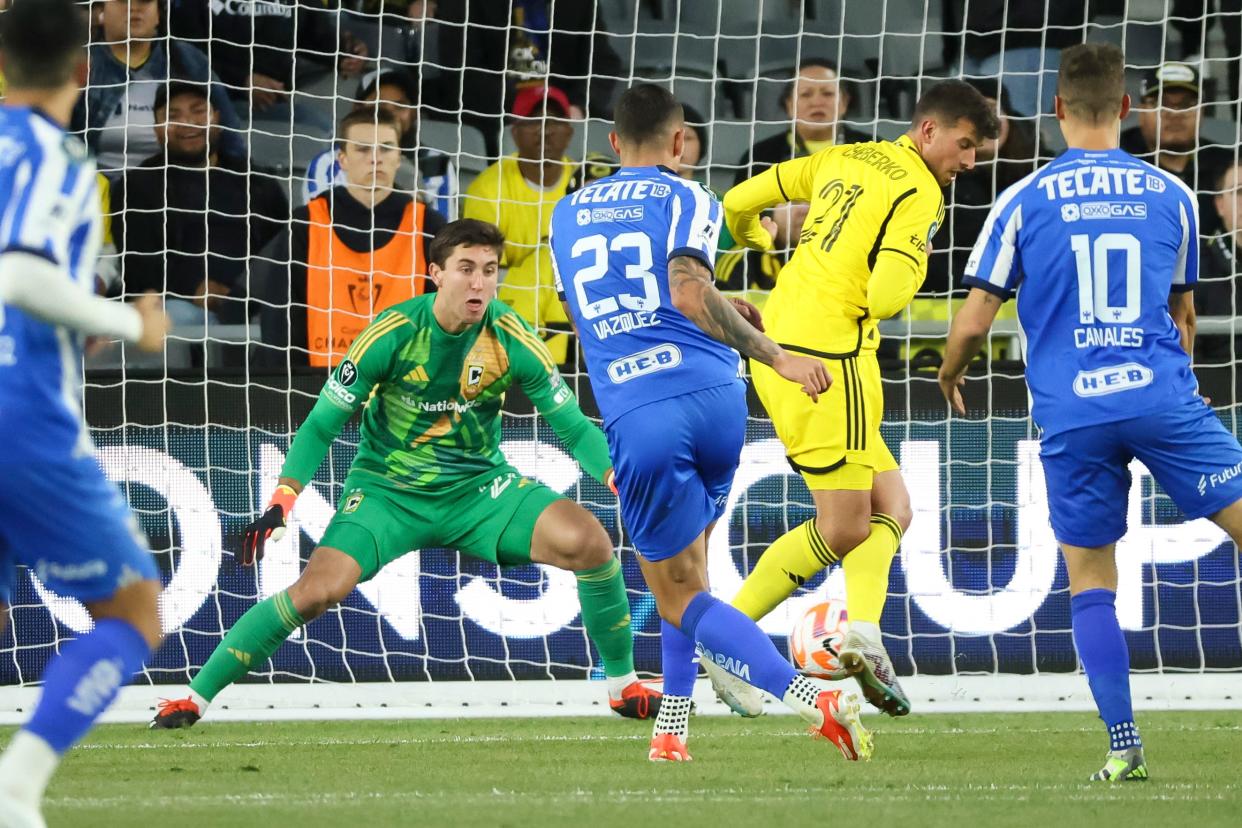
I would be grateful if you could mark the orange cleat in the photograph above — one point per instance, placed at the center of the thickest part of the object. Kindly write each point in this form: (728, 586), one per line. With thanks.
(176, 713)
(668, 747)
(842, 726)
(638, 701)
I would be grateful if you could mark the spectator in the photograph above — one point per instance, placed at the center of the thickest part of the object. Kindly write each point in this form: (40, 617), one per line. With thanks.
(1219, 292)
(425, 171)
(350, 253)
(815, 101)
(500, 48)
(1018, 40)
(1167, 135)
(130, 61)
(191, 217)
(517, 194)
(255, 44)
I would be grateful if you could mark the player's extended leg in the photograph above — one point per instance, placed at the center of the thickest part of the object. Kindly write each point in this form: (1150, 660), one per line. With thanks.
(569, 537)
(1105, 657)
(78, 685)
(735, 643)
(328, 578)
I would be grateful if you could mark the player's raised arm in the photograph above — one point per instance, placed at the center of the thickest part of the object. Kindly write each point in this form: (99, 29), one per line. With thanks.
(787, 181)
(367, 364)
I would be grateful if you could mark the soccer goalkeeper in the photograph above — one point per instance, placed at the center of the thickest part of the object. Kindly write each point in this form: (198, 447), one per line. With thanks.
(862, 255)
(432, 373)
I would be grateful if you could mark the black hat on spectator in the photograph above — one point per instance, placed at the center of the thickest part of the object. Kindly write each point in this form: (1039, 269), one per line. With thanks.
(1170, 75)
(397, 77)
(178, 87)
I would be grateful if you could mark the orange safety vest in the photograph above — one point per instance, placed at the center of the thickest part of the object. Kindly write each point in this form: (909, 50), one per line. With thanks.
(345, 289)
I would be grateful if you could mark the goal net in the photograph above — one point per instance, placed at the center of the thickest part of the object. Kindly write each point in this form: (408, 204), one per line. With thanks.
(197, 436)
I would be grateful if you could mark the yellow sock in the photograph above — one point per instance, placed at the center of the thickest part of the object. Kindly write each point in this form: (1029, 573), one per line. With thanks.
(866, 570)
(792, 559)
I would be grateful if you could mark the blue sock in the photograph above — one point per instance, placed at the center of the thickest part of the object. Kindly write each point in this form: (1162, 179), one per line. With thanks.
(735, 642)
(1106, 660)
(82, 681)
(677, 654)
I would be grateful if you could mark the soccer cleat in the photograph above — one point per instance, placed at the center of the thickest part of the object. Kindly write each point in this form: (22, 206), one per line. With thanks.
(867, 661)
(742, 698)
(668, 747)
(1122, 766)
(17, 814)
(175, 713)
(842, 726)
(638, 701)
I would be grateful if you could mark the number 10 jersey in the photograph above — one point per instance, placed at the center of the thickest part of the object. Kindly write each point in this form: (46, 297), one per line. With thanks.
(1093, 243)
(611, 244)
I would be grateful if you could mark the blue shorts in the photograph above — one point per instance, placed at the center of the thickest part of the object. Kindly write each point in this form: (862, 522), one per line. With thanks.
(1187, 449)
(71, 526)
(675, 460)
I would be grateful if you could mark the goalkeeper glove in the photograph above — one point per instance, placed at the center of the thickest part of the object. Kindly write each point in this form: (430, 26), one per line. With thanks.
(610, 480)
(270, 525)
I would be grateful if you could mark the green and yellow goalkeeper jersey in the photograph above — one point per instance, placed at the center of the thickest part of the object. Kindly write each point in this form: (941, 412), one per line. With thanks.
(432, 400)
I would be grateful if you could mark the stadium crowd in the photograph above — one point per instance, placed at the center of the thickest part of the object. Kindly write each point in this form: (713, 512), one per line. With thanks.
(274, 167)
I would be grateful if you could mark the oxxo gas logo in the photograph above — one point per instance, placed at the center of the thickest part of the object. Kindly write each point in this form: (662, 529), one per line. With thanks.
(395, 591)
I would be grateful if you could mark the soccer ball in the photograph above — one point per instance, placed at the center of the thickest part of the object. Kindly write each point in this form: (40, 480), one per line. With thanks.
(816, 639)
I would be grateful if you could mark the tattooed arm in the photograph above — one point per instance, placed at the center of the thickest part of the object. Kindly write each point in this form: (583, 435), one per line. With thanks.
(694, 293)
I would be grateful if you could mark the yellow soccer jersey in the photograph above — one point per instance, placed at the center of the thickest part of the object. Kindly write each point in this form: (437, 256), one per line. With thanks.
(862, 253)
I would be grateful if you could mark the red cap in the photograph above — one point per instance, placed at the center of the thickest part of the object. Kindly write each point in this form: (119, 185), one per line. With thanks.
(531, 98)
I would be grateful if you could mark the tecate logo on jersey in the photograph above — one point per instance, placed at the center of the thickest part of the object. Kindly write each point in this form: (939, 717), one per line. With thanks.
(645, 362)
(1103, 381)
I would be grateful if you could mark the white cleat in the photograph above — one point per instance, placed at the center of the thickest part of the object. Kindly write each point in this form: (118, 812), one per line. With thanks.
(17, 814)
(742, 698)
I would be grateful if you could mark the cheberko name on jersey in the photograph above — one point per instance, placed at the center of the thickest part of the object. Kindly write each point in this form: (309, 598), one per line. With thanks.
(874, 157)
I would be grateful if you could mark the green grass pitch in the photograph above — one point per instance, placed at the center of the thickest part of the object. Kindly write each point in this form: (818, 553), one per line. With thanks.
(972, 771)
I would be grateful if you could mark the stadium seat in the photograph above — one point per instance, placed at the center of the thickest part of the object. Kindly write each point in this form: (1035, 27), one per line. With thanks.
(464, 143)
(272, 148)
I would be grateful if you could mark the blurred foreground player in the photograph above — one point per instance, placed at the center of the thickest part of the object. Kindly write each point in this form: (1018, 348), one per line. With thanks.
(632, 255)
(1101, 250)
(49, 242)
(431, 374)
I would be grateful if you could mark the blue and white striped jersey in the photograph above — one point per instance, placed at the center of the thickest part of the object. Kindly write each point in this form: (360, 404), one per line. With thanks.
(49, 207)
(1093, 243)
(611, 244)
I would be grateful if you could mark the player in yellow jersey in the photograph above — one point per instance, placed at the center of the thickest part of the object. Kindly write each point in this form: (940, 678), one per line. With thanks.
(862, 254)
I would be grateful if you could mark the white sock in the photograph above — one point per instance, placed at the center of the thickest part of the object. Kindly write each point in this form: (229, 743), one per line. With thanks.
(615, 684)
(26, 766)
(674, 717)
(801, 696)
(867, 630)
(202, 703)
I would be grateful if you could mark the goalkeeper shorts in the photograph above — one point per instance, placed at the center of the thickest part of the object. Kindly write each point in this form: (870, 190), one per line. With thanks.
(491, 517)
(69, 523)
(1190, 453)
(835, 443)
(675, 460)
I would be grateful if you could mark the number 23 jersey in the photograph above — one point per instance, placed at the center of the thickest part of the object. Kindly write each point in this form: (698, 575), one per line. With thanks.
(1093, 244)
(611, 244)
